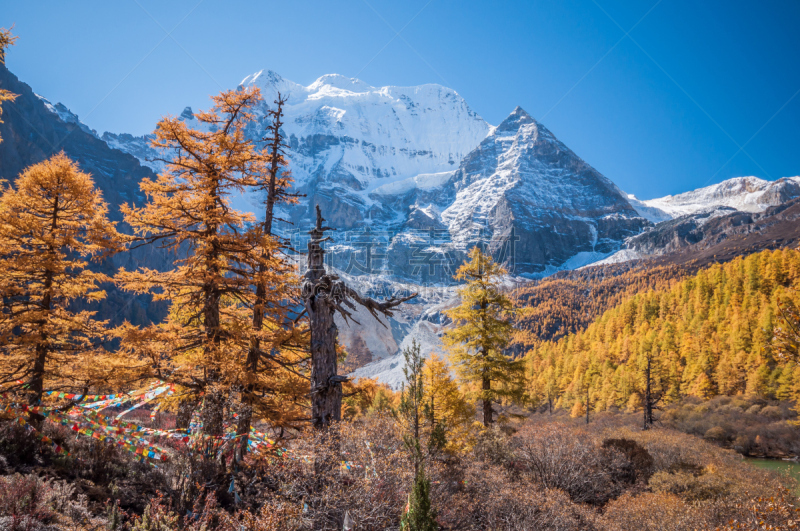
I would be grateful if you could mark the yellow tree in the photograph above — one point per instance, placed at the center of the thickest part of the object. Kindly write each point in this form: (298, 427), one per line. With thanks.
(263, 370)
(204, 344)
(447, 405)
(481, 330)
(6, 40)
(52, 223)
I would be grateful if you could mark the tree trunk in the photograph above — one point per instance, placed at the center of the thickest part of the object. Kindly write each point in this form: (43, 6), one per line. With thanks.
(648, 399)
(487, 402)
(40, 362)
(212, 412)
(183, 418)
(213, 404)
(324, 295)
(243, 427)
(326, 393)
(587, 405)
(39, 365)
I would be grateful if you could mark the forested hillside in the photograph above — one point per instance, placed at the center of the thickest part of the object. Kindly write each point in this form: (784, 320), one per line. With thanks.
(707, 335)
(567, 303)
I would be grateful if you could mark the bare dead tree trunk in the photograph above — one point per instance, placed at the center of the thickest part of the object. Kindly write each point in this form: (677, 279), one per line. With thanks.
(324, 295)
(587, 404)
(275, 193)
(648, 397)
(326, 388)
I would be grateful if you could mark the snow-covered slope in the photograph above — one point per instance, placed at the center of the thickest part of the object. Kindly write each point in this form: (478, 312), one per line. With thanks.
(747, 194)
(416, 176)
(536, 204)
(348, 139)
(65, 115)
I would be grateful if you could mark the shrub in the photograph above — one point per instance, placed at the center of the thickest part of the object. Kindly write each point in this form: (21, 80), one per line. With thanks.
(691, 487)
(776, 513)
(717, 433)
(754, 409)
(640, 461)
(742, 444)
(772, 412)
(558, 457)
(156, 517)
(652, 511)
(25, 499)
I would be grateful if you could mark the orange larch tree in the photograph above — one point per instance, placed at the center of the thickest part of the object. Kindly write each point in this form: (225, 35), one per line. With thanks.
(203, 345)
(52, 223)
(267, 374)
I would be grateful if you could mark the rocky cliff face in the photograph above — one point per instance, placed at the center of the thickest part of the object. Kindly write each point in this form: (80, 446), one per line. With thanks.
(537, 201)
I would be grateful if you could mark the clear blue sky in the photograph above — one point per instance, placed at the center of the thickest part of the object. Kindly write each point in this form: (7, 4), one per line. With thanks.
(695, 93)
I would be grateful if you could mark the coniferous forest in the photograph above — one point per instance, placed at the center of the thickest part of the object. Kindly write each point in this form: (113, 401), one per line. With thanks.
(632, 395)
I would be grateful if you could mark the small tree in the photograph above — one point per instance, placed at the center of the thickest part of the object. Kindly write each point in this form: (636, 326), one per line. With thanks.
(412, 406)
(450, 413)
(52, 223)
(419, 516)
(482, 329)
(552, 390)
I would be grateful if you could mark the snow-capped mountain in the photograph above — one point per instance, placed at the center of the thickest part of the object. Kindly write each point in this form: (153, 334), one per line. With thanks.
(65, 115)
(348, 138)
(412, 178)
(691, 218)
(536, 204)
(746, 194)
(416, 178)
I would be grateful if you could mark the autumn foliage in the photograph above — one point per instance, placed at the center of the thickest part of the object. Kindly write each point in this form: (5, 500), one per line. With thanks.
(53, 222)
(481, 330)
(204, 345)
(708, 335)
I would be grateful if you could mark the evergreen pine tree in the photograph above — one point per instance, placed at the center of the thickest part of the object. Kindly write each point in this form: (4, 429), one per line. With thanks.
(412, 408)
(419, 515)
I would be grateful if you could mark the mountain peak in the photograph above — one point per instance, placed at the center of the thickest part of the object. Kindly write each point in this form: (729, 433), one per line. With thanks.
(748, 194)
(340, 82)
(262, 77)
(66, 115)
(187, 114)
(515, 120)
